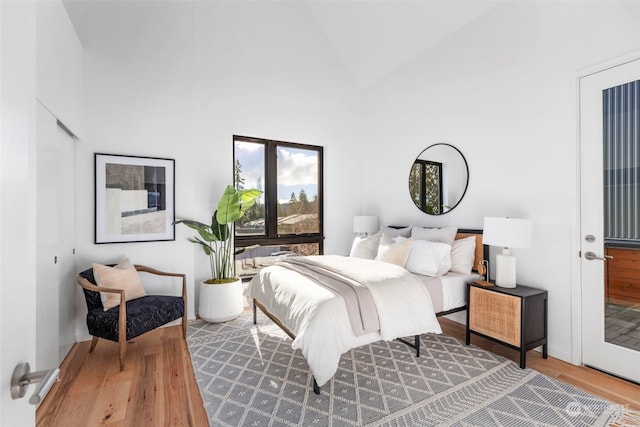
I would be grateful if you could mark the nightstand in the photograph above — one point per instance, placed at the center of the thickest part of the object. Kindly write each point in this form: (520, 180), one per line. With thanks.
(515, 317)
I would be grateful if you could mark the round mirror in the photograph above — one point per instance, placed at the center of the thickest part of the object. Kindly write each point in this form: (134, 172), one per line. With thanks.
(438, 179)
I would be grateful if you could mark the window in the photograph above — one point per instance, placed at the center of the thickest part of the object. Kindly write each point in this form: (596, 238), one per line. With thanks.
(621, 162)
(287, 220)
(425, 186)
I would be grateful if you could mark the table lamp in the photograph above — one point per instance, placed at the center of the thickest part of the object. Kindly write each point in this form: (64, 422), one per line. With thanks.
(508, 233)
(363, 225)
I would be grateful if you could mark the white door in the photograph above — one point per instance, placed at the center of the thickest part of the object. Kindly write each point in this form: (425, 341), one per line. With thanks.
(17, 203)
(610, 198)
(55, 295)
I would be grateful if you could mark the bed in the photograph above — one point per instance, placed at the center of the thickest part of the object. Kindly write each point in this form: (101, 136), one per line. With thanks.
(324, 302)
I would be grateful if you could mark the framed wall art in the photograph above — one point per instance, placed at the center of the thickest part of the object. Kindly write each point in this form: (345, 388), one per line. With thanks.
(135, 198)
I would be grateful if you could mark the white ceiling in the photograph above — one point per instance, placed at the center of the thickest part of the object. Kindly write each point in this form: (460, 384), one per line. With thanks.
(372, 37)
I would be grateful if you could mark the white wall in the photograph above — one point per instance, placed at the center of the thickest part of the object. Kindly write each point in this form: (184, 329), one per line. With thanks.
(178, 80)
(503, 91)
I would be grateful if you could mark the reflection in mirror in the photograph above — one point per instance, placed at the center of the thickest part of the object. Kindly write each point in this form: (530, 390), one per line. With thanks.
(438, 179)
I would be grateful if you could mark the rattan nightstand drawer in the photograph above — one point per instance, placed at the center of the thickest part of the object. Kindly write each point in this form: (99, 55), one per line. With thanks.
(495, 315)
(515, 317)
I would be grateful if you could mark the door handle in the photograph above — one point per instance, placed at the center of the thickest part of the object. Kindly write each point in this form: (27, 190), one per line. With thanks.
(591, 256)
(22, 377)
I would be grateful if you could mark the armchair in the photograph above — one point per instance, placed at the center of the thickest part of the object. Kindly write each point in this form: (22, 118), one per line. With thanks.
(130, 318)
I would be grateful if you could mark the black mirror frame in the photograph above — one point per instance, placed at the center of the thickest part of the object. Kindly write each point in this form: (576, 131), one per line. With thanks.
(465, 187)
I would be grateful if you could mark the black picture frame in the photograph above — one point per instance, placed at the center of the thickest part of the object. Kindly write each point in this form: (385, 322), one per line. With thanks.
(134, 199)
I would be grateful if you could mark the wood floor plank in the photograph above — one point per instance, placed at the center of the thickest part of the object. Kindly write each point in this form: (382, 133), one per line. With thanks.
(94, 367)
(143, 408)
(174, 390)
(158, 386)
(49, 409)
(113, 399)
(198, 415)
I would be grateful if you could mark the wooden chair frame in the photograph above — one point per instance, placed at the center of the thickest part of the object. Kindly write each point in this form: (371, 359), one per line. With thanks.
(122, 318)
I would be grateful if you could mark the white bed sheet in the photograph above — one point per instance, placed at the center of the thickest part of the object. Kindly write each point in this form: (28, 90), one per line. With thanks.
(452, 287)
(318, 317)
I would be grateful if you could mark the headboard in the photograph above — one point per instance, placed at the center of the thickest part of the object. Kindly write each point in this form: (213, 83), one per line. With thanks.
(482, 251)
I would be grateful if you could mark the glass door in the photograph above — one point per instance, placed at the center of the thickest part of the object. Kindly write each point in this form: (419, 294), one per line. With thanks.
(610, 222)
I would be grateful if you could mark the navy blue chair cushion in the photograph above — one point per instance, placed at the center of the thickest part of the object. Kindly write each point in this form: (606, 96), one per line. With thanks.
(143, 314)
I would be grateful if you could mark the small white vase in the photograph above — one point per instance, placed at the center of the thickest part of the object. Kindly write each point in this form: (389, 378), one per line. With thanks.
(220, 302)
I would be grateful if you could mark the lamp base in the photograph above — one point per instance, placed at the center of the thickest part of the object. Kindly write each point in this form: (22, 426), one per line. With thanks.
(506, 271)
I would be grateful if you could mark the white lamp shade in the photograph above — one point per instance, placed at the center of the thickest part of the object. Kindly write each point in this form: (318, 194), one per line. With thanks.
(507, 232)
(365, 224)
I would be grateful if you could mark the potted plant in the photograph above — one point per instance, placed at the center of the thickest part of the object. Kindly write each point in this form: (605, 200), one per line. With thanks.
(221, 296)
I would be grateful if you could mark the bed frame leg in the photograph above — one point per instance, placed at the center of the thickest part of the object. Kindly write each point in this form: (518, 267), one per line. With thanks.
(255, 314)
(316, 387)
(415, 345)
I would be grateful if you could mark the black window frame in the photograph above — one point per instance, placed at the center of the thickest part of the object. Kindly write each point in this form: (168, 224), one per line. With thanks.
(422, 196)
(271, 236)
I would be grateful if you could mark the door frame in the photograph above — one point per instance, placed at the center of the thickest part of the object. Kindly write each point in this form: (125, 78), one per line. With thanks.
(576, 239)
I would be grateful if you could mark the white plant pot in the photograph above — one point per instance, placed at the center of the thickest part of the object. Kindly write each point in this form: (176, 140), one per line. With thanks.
(220, 302)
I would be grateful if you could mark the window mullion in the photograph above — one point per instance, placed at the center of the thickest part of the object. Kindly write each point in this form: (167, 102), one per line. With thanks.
(271, 199)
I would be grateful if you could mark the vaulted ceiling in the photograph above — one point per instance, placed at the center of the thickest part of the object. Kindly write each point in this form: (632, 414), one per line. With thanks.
(372, 38)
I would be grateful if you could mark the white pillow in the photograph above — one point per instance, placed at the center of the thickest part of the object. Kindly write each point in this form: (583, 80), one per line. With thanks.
(122, 276)
(429, 258)
(365, 246)
(444, 235)
(394, 250)
(125, 264)
(463, 253)
(395, 232)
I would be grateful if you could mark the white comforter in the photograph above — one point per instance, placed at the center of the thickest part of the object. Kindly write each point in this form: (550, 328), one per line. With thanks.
(318, 317)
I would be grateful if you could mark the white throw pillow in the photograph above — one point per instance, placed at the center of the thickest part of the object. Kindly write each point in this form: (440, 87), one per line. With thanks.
(463, 253)
(395, 232)
(429, 258)
(394, 250)
(444, 235)
(365, 246)
(122, 276)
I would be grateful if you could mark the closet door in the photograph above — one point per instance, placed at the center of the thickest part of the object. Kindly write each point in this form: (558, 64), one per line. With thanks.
(55, 234)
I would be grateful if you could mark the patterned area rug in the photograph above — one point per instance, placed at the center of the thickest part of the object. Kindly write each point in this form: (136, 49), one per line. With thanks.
(249, 376)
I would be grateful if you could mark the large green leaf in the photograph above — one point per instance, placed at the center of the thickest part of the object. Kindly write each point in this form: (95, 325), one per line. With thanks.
(205, 231)
(221, 231)
(248, 198)
(234, 203)
(228, 206)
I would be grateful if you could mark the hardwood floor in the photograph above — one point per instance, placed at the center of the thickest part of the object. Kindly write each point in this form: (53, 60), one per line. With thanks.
(158, 387)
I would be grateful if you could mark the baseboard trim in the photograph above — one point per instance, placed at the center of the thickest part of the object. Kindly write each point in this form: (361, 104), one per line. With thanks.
(83, 337)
